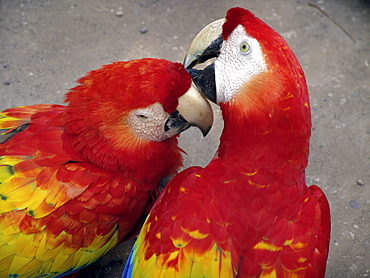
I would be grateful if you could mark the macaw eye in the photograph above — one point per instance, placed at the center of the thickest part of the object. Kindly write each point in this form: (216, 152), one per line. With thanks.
(244, 47)
(143, 117)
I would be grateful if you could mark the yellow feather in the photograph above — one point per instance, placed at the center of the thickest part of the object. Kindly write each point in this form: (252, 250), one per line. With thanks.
(15, 193)
(269, 273)
(7, 122)
(30, 260)
(5, 251)
(213, 263)
(54, 241)
(5, 264)
(197, 234)
(44, 250)
(7, 229)
(31, 269)
(182, 241)
(5, 172)
(298, 246)
(262, 245)
(36, 204)
(18, 262)
(28, 249)
(19, 242)
(61, 263)
(12, 160)
(95, 250)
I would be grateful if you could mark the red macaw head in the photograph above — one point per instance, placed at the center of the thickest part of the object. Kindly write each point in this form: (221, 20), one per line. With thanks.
(254, 64)
(147, 95)
(125, 107)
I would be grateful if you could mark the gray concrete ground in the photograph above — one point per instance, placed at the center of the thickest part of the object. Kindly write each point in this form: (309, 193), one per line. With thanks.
(46, 45)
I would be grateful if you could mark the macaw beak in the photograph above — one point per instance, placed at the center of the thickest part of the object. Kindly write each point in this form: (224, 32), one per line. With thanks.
(193, 110)
(206, 45)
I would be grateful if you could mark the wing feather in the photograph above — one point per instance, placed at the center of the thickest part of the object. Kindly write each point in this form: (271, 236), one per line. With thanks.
(55, 212)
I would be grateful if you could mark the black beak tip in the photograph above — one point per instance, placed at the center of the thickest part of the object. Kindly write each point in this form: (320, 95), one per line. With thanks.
(206, 131)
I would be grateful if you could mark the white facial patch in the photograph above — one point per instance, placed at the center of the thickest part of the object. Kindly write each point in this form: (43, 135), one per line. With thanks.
(149, 122)
(240, 59)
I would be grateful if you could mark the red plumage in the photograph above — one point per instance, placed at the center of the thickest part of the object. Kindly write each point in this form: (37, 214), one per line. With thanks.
(248, 213)
(77, 177)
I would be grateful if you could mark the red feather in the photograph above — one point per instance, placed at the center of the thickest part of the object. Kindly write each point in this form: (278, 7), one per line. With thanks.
(248, 213)
(75, 180)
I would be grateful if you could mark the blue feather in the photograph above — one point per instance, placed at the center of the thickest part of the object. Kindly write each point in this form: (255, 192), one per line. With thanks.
(127, 271)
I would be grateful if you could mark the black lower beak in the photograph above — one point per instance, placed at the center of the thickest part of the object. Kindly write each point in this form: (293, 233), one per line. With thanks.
(205, 81)
(176, 123)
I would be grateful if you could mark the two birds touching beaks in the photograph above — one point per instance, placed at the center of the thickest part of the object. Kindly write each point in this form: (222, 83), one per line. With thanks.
(77, 180)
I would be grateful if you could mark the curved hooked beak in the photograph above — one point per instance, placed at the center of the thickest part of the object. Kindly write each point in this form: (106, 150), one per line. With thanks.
(206, 45)
(193, 110)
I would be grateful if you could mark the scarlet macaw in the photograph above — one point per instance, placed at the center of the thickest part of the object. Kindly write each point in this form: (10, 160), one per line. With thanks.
(77, 180)
(249, 212)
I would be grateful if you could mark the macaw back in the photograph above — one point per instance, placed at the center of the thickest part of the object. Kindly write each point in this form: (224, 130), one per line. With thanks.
(229, 225)
(57, 211)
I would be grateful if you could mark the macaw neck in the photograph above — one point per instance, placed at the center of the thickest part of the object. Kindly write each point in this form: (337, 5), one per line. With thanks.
(274, 143)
